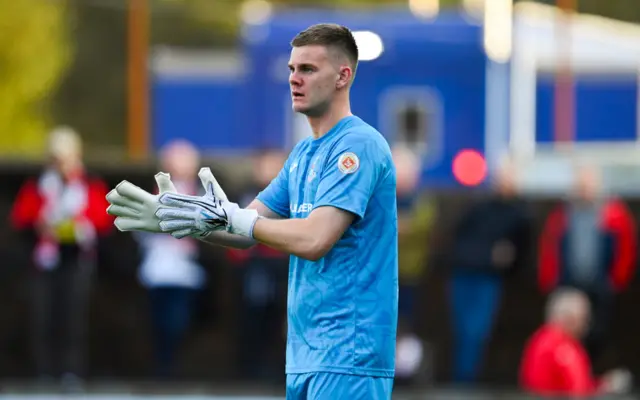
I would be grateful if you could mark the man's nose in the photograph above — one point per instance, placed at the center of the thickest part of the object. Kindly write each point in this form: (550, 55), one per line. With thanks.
(294, 80)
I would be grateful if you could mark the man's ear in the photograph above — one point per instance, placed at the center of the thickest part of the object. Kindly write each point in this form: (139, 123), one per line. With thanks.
(344, 77)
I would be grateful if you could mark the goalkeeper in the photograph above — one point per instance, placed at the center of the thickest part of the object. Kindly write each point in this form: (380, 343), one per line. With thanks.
(332, 207)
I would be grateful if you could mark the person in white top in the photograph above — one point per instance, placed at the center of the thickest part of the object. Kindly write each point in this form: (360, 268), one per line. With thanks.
(169, 269)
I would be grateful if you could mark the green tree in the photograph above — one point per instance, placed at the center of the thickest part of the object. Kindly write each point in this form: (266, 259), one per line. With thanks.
(34, 53)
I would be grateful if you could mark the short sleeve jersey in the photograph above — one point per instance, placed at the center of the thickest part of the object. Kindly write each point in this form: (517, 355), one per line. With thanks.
(343, 308)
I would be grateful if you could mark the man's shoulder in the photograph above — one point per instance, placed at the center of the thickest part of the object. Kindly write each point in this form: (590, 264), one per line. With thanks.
(554, 340)
(358, 128)
(363, 136)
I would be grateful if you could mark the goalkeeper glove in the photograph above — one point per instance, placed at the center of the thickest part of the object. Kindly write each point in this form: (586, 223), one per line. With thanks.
(135, 208)
(180, 213)
(177, 214)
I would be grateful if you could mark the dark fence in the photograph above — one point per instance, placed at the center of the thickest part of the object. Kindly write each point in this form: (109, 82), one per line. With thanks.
(120, 334)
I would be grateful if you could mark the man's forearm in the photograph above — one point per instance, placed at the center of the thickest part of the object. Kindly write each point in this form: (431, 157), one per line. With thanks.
(309, 238)
(292, 236)
(226, 239)
(289, 236)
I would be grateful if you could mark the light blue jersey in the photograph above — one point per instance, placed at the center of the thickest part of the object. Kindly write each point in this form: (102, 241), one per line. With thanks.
(342, 309)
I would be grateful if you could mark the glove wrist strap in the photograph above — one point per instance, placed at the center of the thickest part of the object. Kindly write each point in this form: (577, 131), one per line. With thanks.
(242, 222)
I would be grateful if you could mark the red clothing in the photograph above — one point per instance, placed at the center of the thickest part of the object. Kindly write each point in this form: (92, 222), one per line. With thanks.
(76, 228)
(555, 363)
(616, 221)
(30, 203)
(260, 250)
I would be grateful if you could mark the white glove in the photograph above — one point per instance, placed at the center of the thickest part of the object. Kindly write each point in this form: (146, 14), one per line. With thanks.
(135, 208)
(180, 214)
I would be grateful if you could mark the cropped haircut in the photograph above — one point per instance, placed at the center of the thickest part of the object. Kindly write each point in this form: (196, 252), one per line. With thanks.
(330, 35)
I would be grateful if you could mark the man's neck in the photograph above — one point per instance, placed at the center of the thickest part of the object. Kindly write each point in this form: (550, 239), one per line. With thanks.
(323, 124)
(73, 174)
(561, 327)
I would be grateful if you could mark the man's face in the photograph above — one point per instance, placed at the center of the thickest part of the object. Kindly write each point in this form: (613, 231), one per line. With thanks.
(581, 320)
(587, 185)
(67, 164)
(505, 182)
(314, 79)
(181, 160)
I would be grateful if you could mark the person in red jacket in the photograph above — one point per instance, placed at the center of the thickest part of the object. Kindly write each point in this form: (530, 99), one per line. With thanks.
(589, 242)
(555, 362)
(63, 212)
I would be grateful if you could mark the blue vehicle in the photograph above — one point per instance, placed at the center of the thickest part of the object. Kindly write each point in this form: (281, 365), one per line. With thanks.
(428, 84)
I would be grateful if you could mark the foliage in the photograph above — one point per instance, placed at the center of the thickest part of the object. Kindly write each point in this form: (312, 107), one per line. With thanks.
(34, 54)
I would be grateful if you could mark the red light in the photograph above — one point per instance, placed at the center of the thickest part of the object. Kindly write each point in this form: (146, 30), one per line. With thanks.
(469, 167)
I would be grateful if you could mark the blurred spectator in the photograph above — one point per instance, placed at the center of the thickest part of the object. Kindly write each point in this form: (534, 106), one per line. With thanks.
(63, 212)
(490, 242)
(169, 269)
(554, 361)
(263, 274)
(589, 243)
(415, 216)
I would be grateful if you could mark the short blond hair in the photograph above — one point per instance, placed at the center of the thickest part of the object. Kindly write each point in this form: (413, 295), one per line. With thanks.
(65, 142)
(566, 302)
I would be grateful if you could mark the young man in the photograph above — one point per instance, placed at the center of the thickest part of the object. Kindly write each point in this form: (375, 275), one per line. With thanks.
(333, 208)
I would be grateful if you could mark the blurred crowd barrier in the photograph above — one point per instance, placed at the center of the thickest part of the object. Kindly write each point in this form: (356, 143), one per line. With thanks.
(235, 330)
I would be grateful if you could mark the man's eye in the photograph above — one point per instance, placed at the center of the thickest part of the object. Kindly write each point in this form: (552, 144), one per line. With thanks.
(301, 69)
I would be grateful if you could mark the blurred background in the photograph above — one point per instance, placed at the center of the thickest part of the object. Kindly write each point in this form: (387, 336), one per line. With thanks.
(515, 131)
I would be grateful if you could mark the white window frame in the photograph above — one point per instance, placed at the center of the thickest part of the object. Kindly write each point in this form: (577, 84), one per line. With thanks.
(429, 100)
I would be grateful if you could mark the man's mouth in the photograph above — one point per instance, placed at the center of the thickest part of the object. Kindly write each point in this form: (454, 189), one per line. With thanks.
(297, 95)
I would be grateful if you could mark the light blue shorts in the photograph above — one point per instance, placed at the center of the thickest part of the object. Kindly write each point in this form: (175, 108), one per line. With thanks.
(336, 386)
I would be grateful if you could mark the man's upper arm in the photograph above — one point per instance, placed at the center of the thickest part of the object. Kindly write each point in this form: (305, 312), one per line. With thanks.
(350, 176)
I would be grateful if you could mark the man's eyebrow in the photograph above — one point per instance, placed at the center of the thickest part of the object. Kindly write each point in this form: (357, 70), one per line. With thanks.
(308, 65)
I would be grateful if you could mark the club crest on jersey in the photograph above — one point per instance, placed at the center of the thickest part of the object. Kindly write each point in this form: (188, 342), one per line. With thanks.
(348, 163)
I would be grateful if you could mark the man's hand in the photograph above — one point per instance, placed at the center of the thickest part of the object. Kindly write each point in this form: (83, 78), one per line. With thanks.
(183, 215)
(135, 208)
(178, 214)
(618, 381)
